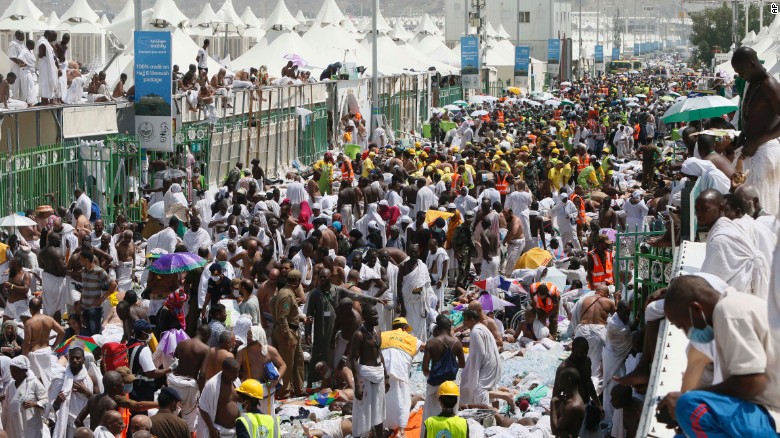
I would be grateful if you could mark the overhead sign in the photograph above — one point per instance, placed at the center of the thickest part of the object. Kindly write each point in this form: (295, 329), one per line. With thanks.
(522, 62)
(615, 53)
(153, 78)
(553, 51)
(599, 54)
(469, 62)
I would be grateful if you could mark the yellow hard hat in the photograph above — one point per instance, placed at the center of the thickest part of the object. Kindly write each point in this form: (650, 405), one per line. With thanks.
(556, 151)
(449, 388)
(251, 388)
(524, 148)
(553, 144)
(402, 321)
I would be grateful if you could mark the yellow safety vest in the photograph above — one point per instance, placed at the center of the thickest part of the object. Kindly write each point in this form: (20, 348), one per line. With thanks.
(261, 426)
(446, 427)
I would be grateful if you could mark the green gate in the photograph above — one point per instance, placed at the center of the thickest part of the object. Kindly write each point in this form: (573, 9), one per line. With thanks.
(313, 135)
(450, 94)
(651, 267)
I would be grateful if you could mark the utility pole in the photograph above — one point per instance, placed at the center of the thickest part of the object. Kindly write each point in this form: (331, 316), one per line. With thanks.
(598, 22)
(375, 70)
(517, 40)
(734, 19)
(747, 23)
(579, 62)
(138, 10)
(760, 15)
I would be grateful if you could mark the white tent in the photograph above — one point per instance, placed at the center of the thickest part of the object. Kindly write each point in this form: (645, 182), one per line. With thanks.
(329, 13)
(300, 17)
(426, 26)
(502, 33)
(228, 15)
(204, 23)
(399, 32)
(491, 31)
(431, 45)
(349, 26)
(333, 43)
(104, 21)
(79, 12)
(23, 15)
(400, 57)
(254, 26)
(54, 20)
(271, 50)
(128, 11)
(280, 18)
(166, 13)
(382, 26)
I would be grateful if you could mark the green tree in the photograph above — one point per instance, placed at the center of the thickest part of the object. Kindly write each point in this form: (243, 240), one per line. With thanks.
(712, 30)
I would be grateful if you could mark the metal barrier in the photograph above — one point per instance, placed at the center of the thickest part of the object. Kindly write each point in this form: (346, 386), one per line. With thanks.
(493, 88)
(448, 95)
(651, 267)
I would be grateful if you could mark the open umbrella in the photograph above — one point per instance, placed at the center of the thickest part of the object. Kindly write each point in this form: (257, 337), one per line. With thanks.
(566, 102)
(170, 174)
(460, 103)
(565, 84)
(513, 90)
(491, 303)
(86, 342)
(533, 258)
(552, 102)
(698, 108)
(451, 107)
(632, 104)
(16, 220)
(631, 99)
(641, 96)
(667, 98)
(177, 262)
(296, 59)
(478, 113)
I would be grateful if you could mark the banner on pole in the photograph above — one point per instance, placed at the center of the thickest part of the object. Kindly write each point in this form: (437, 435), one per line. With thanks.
(553, 51)
(153, 79)
(615, 53)
(469, 62)
(522, 62)
(599, 55)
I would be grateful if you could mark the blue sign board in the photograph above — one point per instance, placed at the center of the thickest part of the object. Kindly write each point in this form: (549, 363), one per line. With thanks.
(553, 51)
(599, 53)
(615, 53)
(522, 61)
(469, 62)
(153, 79)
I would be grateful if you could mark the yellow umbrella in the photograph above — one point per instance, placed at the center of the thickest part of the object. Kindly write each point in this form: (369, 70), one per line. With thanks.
(513, 90)
(534, 258)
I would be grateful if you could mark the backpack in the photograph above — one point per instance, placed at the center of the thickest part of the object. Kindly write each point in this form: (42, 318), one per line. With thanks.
(95, 212)
(115, 355)
(445, 369)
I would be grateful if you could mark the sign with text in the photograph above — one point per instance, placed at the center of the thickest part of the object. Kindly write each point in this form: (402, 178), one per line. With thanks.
(522, 62)
(153, 77)
(615, 53)
(469, 62)
(599, 55)
(553, 51)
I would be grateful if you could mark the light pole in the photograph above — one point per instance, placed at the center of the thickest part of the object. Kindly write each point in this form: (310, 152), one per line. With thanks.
(579, 63)
(375, 70)
(138, 10)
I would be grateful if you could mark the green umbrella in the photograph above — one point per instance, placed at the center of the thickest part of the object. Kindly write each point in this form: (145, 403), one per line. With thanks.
(667, 98)
(698, 108)
(460, 103)
(565, 102)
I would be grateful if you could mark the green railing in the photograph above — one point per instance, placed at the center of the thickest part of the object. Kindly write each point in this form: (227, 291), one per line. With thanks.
(650, 267)
(313, 135)
(448, 95)
(122, 178)
(494, 88)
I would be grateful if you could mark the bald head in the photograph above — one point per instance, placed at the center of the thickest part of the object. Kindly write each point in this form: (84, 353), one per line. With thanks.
(81, 432)
(746, 64)
(222, 255)
(139, 422)
(113, 421)
(476, 306)
(750, 197)
(709, 207)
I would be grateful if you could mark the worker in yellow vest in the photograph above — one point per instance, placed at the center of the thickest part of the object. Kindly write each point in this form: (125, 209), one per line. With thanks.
(447, 420)
(253, 424)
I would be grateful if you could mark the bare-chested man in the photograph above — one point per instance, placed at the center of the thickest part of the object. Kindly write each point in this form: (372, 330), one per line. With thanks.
(329, 241)
(352, 196)
(596, 310)
(130, 310)
(265, 292)
(16, 289)
(190, 355)
(348, 321)
(409, 192)
(217, 405)
(371, 380)
(607, 216)
(263, 266)
(125, 255)
(488, 239)
(217, 355)
(760, 124)
(567, 409)
(252, 361)
(439, 347)
(371, 193)
(36, 344)
(246, 260)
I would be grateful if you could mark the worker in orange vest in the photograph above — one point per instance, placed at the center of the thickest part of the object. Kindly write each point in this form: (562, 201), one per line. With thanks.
(600, 263)
(501, 183)
(545, 299)
(579, 202)
(347, 174)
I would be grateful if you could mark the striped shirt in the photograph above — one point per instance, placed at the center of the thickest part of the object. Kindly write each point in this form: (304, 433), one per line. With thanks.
(94, 283)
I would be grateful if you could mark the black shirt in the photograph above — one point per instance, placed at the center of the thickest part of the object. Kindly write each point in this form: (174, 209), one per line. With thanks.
(218, 290)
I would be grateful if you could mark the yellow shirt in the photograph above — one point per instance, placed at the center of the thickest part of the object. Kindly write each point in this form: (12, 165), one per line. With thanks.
(566, 173)
(368, 166)
(556, 178)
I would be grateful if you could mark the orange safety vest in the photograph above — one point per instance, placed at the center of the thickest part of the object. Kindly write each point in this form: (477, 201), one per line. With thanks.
(347, 174)
(500, 117)
(583, 162)
(457, 182)
(602, 270)
(545, 304)
(501, 185)
(581, 216)
(125, 419)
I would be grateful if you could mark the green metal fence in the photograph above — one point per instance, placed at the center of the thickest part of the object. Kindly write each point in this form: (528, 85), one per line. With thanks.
(313, 135)
(123, 176)
(494, 88)
(448, 95)
(650, 267)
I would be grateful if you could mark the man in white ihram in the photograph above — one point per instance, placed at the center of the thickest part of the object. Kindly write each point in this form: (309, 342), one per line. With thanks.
(483, 366)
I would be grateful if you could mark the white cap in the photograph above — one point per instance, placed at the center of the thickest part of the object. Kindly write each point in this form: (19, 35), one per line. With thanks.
(451, 206)
(373, 225)
(316, 206)
(405, 219)
(384, 202)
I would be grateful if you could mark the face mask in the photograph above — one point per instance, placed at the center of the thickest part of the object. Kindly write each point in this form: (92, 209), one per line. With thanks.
(701, 336)
(215, 278)
(127, 388)
(236, 293)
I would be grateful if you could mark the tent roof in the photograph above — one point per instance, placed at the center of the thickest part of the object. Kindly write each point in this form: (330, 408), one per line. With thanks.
(334, 43)
(329, 13)
(54, 20)
(206, 18)
(80, 12)
(128, 10)
(280, 17)
(381, 24)
(502, 33)
(349, 26)
(228, 15)
(432, 46)
(399, 32)
(22, 15)
(300, 17)
(426, 26)
(249, 18)
(167, 11)
(403, 56)
(491, 31)
(104, 21)
(272, 48)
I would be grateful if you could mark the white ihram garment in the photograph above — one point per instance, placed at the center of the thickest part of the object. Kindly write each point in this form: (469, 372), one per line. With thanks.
(736, 259)
(417, 303)
(209, 403)
(613, 357)
(47, 71)
(436, 262)
(74, 402)
(370, 411)
(764, 175)
(483, 367)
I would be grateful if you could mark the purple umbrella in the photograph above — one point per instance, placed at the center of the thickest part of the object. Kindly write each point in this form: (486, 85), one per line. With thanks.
(177, 262)
(296, 59)
(491, 303)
